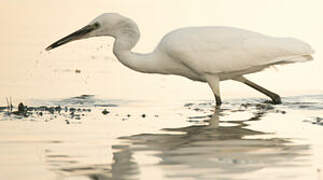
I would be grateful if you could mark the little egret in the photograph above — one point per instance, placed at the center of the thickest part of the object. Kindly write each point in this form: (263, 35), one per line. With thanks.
(206, 54)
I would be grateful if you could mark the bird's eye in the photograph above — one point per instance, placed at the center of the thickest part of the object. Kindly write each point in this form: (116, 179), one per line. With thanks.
(96, 25)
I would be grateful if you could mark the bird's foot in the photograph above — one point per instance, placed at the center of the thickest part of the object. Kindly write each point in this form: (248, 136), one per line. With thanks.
(218, 101)
(275, 99)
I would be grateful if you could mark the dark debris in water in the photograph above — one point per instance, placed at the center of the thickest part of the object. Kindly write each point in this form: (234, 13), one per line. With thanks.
(46, 112)
(105, 112)
(84, 96)
(77, 71)
(72, 109)
(259, 108)
(188, 104)
(316, 121)
(234, 107)
(22, 110)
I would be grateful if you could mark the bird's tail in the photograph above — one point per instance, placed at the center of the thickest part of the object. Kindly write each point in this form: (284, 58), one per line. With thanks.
(294, 59)
(294, 51)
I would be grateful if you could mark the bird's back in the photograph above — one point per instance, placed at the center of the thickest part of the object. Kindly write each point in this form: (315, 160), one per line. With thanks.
(225, 49)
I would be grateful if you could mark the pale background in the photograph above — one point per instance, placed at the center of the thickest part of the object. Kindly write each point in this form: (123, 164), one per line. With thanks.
(27, 71)
(27, 27)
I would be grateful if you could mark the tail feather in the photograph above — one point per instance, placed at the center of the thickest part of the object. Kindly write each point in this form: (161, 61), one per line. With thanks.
(295, 45)
(292, 51)
(290, 60)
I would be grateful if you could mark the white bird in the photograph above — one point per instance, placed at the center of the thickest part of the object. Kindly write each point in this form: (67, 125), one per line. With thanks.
(206, 54)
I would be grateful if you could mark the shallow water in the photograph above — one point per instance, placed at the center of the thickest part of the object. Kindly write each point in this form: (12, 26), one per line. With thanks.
(245, 139)
(164, 135)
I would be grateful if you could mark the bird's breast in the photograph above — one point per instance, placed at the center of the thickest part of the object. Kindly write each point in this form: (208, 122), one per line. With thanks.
(172, 65)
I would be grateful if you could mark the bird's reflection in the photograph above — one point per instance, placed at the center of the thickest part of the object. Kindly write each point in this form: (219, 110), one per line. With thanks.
(213, 148)
(197, 151)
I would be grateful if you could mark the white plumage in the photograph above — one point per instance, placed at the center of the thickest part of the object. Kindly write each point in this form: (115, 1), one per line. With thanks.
(207, 54)
(226, 51)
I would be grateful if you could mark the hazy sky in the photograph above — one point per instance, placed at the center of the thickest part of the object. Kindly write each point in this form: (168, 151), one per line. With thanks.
(29, 26)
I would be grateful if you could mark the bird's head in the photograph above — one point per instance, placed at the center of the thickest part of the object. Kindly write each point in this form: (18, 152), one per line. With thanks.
(107, 24)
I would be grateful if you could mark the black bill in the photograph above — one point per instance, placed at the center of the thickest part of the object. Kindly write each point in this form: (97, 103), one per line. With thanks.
(74, 36)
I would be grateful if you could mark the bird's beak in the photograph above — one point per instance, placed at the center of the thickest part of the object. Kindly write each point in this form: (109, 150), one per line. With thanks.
(79, 34)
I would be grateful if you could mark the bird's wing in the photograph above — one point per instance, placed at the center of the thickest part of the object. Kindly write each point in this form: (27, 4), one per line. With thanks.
(224, 49)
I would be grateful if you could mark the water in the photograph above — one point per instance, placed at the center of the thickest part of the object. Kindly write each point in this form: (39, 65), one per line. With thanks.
(150, 129)
(246, 139)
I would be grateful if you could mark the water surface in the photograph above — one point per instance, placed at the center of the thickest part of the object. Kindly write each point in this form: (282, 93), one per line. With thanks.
(245, 139)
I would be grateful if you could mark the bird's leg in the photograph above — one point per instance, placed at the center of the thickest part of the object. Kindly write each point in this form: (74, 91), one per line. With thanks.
(275, 97)
(214, 83)
(218, 100)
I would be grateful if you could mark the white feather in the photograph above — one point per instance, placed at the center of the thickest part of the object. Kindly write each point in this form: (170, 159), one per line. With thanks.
(218, 50)
(207, 54)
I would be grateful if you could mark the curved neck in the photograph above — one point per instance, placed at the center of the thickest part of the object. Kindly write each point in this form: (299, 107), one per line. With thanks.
(122, 47)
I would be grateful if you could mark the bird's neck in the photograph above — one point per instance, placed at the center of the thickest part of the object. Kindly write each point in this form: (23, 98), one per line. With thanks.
(139, 62)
